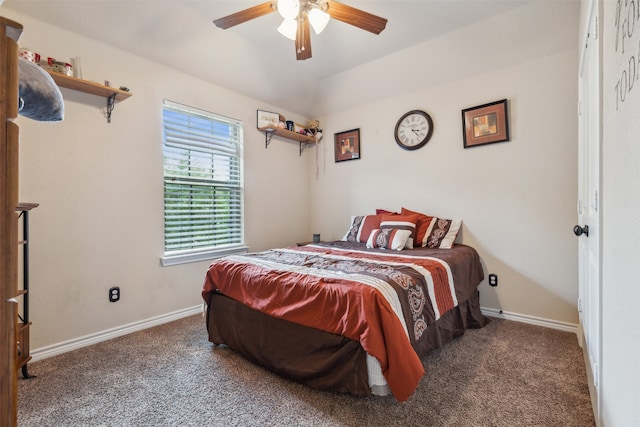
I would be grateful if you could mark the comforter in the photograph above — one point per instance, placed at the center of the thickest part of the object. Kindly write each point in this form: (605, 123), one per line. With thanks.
(381, 299)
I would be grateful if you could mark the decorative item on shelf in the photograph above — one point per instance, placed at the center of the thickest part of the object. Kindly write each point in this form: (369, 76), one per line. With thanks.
(290, 125)
(267, 119)
(77, 67)
(59, 67)
(29, 55)
(313, 129)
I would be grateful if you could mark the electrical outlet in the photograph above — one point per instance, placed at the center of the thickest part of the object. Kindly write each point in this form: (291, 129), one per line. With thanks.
(493, 279)
(114, 294)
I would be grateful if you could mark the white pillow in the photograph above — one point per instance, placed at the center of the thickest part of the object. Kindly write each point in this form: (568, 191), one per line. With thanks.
(389, 238)
(402, 223)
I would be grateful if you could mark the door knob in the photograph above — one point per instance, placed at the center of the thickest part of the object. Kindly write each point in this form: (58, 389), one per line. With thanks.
(578, 231)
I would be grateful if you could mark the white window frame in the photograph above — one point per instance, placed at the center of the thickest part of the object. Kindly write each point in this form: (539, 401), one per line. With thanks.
(189, 155)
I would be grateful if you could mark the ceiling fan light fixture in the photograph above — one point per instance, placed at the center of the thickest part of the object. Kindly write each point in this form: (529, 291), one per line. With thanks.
(288, 9)
(288, 28)
(318, 19)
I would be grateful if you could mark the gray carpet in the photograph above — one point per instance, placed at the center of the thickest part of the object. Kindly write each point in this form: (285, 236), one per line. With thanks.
(506, 374)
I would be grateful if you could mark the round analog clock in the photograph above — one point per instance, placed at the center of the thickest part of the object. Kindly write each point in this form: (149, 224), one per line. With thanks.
(413, 130)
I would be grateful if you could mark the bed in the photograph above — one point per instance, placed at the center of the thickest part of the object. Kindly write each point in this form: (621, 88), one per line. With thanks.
(344, 316)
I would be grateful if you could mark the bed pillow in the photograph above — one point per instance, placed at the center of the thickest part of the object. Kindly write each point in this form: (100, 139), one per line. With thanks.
(422, 226)
(40, 97)
(385, 212)
(389, 238)
(403, 222)
(442, 233)
(361, 227)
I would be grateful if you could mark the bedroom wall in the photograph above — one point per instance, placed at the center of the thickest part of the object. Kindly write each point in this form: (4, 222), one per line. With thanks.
(517, 199)
(99, 185)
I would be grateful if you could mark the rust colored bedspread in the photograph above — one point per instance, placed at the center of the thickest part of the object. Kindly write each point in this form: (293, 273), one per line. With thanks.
(333, 357)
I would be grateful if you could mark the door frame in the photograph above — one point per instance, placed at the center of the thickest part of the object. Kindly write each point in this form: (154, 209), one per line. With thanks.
(589, 202)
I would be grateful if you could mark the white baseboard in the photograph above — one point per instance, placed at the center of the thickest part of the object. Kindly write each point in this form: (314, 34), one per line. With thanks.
(74, 344)
(532, 320)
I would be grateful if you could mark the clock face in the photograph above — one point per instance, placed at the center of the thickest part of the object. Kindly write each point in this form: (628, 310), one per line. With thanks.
(413, 130)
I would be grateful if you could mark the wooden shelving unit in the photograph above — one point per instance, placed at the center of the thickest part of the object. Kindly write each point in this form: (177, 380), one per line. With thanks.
(22, 331)
(112, 94)
(89, 87)
(10, 32)
(303, 139)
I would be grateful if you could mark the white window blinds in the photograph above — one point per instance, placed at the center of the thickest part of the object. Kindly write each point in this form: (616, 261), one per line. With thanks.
(203, 209)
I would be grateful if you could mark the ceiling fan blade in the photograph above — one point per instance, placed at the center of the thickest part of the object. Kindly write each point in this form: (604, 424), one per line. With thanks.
(356, 17)
(303, 39)
(245, 15)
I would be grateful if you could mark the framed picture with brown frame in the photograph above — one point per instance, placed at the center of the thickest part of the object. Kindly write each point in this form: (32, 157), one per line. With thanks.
(485, 124)
(347, 145)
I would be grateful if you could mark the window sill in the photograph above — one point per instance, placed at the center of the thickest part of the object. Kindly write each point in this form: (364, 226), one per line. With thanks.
(183, 258)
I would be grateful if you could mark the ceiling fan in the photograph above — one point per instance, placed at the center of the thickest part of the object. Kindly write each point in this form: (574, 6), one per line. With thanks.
(298, 14)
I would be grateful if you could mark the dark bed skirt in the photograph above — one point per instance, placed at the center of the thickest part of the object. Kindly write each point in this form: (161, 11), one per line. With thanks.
(318, 359)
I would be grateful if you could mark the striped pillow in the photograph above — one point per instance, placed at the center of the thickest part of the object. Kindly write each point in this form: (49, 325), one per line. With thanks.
(442, 233)
(402, 222)
(389, 238)
(361, 227)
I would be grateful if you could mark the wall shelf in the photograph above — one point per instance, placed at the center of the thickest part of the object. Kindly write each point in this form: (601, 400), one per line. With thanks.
(112, 94)
(88, 87)
(303, 139)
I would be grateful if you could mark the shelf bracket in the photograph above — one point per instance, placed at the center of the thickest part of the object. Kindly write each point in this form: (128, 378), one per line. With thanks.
(304, 145)
(111, 103)
(268, 134)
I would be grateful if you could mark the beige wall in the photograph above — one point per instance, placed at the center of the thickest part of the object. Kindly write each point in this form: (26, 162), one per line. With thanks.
(517, 199)
(100, 185)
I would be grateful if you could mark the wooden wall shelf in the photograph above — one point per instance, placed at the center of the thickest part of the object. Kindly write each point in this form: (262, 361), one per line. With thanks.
(303, 139)
(89, 87)
(112, 94)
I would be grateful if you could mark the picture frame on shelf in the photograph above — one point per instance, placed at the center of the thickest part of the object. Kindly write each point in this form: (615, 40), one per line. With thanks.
(347, 145)
(485, 124)
(267, 119)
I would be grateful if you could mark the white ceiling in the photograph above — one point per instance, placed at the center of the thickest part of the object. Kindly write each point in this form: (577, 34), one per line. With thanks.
(253, 58)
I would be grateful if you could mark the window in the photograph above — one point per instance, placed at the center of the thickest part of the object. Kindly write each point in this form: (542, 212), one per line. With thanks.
(203, 209)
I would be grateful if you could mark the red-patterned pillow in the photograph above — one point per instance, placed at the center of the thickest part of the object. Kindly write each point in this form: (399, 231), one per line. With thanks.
(389, 238)
(403, 222)
(422, 225)
(361, 227)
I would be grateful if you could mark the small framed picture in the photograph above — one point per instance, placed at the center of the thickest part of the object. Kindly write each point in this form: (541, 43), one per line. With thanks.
(267, 119)
(347, 145)
(485, 124)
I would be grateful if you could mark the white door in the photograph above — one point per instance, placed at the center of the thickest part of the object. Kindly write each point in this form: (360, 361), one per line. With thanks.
(588, 227)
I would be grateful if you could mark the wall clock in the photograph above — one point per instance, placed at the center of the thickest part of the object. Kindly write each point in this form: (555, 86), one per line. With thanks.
(413, 130)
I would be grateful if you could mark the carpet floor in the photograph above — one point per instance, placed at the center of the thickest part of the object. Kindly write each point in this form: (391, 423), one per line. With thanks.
(506, 374)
